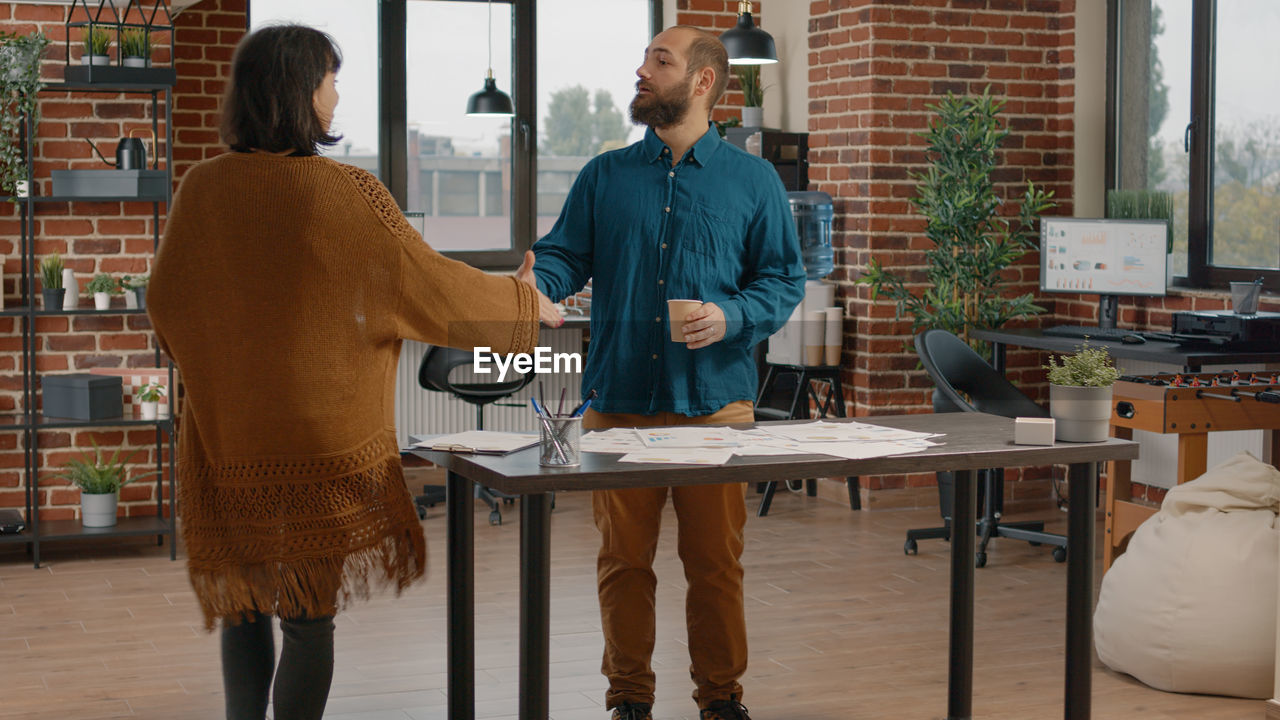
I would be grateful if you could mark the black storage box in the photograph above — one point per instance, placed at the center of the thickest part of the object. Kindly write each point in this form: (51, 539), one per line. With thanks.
(82, 396)
(140, 184)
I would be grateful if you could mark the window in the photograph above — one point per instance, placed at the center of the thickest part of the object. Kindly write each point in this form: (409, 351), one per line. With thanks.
(481, 189)
(1190, 116)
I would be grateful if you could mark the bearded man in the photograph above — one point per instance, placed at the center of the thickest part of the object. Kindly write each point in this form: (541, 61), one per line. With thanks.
(679, 215)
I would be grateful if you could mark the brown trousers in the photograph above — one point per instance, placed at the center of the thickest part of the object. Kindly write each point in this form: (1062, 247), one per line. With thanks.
(710, 521)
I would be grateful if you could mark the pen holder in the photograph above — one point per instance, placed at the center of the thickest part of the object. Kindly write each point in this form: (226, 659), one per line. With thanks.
(561, 441)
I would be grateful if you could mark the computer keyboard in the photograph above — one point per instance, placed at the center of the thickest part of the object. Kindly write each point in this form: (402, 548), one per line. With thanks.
(1082, 331)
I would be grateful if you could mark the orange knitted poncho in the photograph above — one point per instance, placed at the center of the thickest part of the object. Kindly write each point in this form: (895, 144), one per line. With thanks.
(282, 290)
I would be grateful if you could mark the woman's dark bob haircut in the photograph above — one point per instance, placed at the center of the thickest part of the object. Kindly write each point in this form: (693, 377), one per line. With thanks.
(274, 75)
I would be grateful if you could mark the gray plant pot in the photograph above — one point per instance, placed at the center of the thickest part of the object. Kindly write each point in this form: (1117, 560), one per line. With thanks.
(752, 117)
(1080, 414)
(140, 296)
(53, 298)
(98, 510)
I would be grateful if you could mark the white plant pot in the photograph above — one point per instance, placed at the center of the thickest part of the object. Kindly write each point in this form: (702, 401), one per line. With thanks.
(150, 409)
(752, 117)
(1080, 414)
(71, 300)
(102, 301)
(98, 510)
(95, 60)
(137, 62)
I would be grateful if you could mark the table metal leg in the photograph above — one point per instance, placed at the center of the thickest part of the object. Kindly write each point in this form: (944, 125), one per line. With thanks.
(535, 605)
(960, 668)
(1082, 481)
(460, 510)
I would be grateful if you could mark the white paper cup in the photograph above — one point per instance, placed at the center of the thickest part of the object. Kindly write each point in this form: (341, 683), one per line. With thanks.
(833, 336)
(815, 326)
(677, 311)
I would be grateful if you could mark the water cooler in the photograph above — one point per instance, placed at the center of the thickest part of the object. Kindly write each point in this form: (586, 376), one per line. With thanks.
(792, 345)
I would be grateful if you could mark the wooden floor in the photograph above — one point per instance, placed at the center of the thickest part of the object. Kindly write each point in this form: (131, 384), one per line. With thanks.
(843, 625)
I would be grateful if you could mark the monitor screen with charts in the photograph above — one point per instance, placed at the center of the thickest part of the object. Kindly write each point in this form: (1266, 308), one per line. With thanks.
(1102, 257)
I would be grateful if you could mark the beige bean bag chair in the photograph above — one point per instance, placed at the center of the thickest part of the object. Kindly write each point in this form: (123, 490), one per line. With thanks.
(1191, 605)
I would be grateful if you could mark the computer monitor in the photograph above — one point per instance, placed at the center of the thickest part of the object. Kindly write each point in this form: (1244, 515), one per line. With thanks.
(1103, 257)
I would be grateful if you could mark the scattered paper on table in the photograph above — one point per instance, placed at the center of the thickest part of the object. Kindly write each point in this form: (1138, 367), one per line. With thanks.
(613, 440)
(688, 436)
(680, 456)
(819, 431)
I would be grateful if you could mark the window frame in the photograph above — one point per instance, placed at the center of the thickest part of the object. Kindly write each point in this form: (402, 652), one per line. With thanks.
(393, 120)
(1201, 272)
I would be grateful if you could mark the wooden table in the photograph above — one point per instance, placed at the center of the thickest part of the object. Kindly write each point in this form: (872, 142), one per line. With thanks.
(973, 442)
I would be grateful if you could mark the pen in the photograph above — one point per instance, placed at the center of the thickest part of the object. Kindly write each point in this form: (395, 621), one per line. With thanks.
(551, 433)
(582, 407)
(560, 409)
(542, 396)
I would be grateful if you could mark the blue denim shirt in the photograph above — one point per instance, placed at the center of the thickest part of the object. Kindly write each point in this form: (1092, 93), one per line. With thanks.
(716, 227)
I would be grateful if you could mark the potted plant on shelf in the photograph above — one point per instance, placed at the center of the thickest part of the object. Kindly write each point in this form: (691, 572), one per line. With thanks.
(96, 41)
(135, 291)
(967, 271)
(99, 481)
(752, 95)
(149, 396)
(135, 46)
(103, 286)
(20, 82)
(51, 279)
(1080, 394)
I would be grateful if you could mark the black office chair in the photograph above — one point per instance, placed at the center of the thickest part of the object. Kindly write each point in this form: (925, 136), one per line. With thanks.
(435, 373)
(966, 383)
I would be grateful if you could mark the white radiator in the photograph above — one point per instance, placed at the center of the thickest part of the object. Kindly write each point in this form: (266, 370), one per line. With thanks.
(424, 412)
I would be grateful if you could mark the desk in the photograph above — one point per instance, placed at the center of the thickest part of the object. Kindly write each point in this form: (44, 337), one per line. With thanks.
(974, 441)
(1191, 359)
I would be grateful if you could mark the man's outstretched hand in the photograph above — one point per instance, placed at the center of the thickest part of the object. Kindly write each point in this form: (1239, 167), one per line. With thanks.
(547, 311)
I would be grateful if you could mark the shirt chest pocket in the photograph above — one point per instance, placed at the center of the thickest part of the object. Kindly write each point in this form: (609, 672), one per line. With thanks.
(713, 233)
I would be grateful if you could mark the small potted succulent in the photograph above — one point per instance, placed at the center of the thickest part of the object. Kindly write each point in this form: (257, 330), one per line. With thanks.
(1080, 394)
(103, 286)
(51, 278)
(99, 481)
(135, 46)
(135, 291)
(97, 41)
(149, 396)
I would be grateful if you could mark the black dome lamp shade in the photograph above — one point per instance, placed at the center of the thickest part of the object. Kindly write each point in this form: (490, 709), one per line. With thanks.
(746, 43)
(490, 102)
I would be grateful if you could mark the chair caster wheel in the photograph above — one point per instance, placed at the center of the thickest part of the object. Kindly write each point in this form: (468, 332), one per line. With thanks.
(980, 559)
(910, 548)
(1059, 554)
(495, 518)
(508, 501)
(422, 511)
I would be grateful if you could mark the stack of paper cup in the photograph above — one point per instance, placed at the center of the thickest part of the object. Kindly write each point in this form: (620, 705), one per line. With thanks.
(833, 335)
(815, 326)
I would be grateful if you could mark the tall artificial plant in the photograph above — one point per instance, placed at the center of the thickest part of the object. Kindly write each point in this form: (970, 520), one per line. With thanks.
(749, 80)
(967, 270)
(19, 84)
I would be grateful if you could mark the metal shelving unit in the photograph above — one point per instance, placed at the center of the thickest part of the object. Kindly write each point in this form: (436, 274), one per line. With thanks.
(30, 423)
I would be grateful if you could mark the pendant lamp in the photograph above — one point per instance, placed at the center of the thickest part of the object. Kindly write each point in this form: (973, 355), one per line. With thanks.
(490, 102)
(746, 43)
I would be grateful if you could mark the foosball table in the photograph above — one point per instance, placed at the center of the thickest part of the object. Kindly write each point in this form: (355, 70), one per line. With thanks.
(1190, 405)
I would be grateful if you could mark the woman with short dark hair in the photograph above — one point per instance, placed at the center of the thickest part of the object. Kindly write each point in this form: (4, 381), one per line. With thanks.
(282, 290)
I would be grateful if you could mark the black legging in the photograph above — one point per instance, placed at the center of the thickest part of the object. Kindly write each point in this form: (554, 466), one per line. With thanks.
(301, 681)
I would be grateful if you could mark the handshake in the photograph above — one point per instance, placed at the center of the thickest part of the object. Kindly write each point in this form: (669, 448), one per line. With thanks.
(548, 313)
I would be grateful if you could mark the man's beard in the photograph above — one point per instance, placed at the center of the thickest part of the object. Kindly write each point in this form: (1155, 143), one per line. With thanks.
(662, 109)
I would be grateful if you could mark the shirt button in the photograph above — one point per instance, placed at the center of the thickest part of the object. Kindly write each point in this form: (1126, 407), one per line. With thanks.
(666, 209)
(655, 356)
(671, 174)
(662, 282)
(657, 319)
(664, 246)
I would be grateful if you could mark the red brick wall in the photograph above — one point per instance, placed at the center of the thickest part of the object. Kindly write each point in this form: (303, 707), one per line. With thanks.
(873, 69)
(114, 238)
